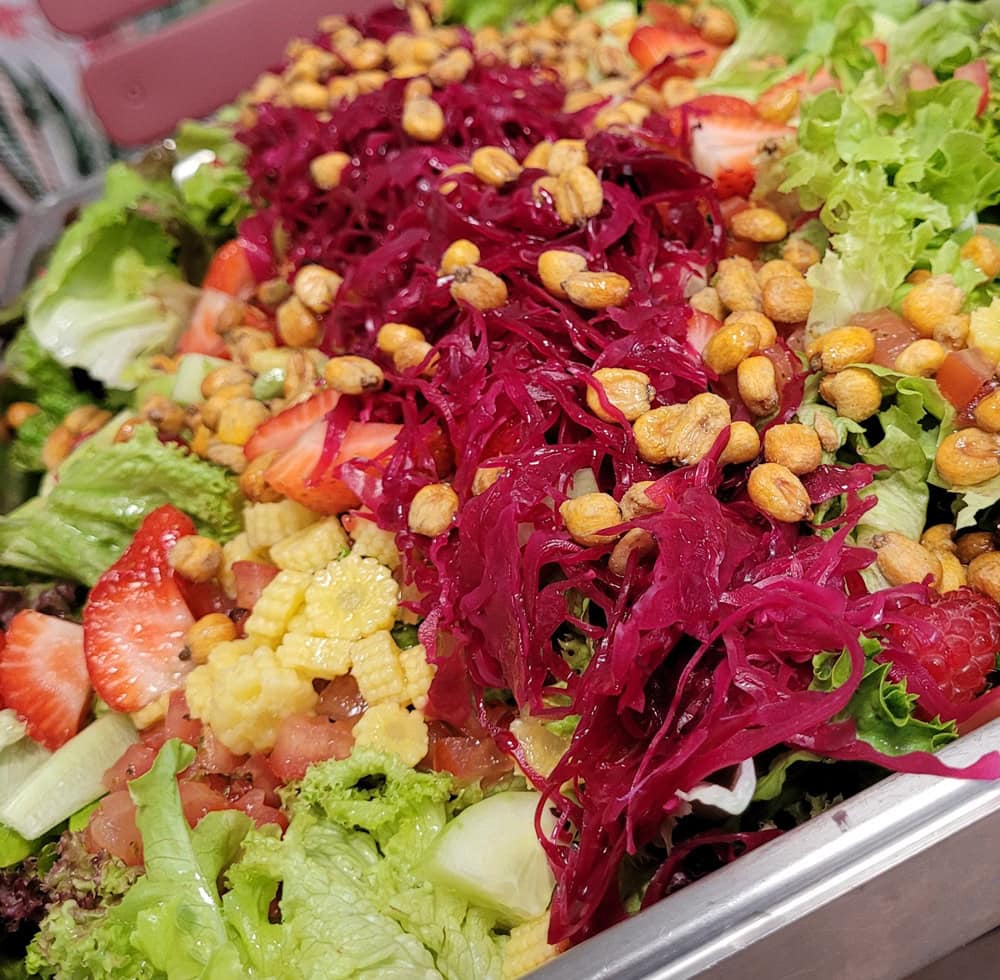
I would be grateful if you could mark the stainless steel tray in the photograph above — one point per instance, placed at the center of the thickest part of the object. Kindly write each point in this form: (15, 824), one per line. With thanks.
(874, 889)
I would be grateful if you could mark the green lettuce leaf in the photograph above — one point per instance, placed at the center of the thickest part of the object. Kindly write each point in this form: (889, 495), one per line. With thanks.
(353, 904)
(214, 196)
(771, 785)
(896, 175)
(35, 376)
(111, 292)
(911, 427)
(882, 710)
(104, 491)
(809, 36)
(175, 911)
(13, 847)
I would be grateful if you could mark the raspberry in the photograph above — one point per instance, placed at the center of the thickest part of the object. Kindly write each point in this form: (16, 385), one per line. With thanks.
(955, 637)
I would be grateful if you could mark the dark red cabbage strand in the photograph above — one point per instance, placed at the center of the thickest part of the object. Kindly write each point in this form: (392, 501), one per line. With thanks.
(703, 653)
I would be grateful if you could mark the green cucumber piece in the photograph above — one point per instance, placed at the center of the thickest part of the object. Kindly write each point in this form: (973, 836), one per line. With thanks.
(269, 384)
(69, 779)
(491, 856)
(18, 762)
(191, 371)
(11, 728)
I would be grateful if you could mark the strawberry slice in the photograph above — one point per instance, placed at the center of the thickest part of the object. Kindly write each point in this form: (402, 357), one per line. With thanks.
(136, 620)
(201, 337)
(43, 676)
(282, 432)
(701, 327)
(291, 473)
(724, 147)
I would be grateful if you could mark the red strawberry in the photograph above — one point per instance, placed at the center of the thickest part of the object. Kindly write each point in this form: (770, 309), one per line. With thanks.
(43, 676)
(724, 147)
(291, 473)
(136, 620)
(281, 432)
(964, 644)
(701, 327)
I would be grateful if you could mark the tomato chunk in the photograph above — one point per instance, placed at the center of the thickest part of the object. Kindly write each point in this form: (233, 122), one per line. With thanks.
(305, 739)
(961, 376)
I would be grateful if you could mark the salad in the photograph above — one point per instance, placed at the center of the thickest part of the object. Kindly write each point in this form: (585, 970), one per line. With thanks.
(514, 461)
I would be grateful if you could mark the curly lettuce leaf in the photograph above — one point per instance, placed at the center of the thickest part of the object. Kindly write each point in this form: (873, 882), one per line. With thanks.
(214, 195)
(808, 36)
(882, 710)
(104, 491)
(36, 376)
(895, 178)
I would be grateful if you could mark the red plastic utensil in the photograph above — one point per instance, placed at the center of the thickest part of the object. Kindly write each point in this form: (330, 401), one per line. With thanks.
(140, 89)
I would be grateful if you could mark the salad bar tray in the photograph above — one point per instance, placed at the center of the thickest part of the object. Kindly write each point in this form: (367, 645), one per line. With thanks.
(873, 889)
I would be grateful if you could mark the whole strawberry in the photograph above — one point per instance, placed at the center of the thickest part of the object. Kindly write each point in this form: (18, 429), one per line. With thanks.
(956, 637)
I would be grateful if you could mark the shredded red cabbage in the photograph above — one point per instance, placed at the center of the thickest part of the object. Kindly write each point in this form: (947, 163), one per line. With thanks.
(702, 652)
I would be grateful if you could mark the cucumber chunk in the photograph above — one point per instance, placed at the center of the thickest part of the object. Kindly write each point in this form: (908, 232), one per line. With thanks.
(191, 371)
(68, 779)
(490, 854)
(11, 728)
(17, 763)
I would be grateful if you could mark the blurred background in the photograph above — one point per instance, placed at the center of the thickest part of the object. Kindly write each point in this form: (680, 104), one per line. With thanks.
(49, 136)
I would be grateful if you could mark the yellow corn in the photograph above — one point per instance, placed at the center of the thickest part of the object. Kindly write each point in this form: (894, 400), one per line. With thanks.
(267, 524)
(377, 669)
(278, 603)
(315, 656)
(311, 548)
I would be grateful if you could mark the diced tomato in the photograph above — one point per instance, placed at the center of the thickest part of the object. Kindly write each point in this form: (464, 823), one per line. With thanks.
(701, 327)
(203, 598)
(197, 799)
(920, 78)
(667, 15)
(683, 50)
(977, 73)
(136, 760)
(879, 49)
(468, 759)
(255, 805)
(284, 430)
(305, 739)
(255, 773)
(230, 272)
(112, 828)
(341, 700)
(213, 757)
(961, 376)
(252, 577)
(154, 736)
(892, 333)
(293, 473)
(179, 723)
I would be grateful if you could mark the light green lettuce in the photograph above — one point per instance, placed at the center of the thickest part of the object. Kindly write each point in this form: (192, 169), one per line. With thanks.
(101, 497)
(111, 292)
(352, 901)
(881, 709)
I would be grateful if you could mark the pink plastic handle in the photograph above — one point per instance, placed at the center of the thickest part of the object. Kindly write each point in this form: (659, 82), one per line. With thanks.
(93, 17)
(140, 90)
